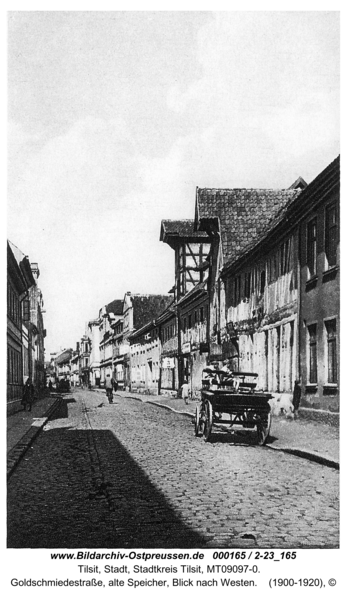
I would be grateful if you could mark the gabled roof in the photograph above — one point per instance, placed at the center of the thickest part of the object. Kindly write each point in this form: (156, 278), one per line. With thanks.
(142, 330)
(167, 314)
(173, 231)
(290, 213)
(19, 265)
(115, 307)
(64, 357)
(238, 214)
(147, 307)
(198, 290)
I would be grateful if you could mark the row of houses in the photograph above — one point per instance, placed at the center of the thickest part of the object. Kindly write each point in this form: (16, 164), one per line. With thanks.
(25, 327)
(256, 282)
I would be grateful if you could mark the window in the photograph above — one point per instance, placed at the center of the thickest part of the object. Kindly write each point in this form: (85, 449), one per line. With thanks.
(237, 289)
(331, 236)
(247, 285)
(201, 314)
(255, 280)
(285, 257)
(189, 321)
(312, 247)
(330, 327)
(262, 282)
(312, 333)
(13, 305)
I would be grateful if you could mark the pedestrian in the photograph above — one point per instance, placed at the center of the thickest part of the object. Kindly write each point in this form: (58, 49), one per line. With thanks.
(50, 385)
(115, 384)
(28, 395)
(185, 392)
(109, 388)
(296, 397)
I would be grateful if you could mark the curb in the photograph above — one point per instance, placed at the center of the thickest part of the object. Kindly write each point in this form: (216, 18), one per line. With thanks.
(311, 456)
(17, 452)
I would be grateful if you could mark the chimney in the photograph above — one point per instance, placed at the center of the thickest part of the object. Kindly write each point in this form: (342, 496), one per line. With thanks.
(35, 270)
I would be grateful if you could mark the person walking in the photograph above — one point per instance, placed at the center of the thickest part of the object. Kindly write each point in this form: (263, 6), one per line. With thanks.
(109, 388)
(28, 395)
(296, 397)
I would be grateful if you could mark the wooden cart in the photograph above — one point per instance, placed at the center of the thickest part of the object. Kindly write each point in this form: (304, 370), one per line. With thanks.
(232, 394)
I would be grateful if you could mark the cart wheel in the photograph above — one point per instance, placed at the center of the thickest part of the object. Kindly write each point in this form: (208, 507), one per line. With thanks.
(208, 420)
(263, 430)
(198, 422)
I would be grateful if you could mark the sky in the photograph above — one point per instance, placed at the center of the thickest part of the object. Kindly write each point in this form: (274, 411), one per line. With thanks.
(114, 119)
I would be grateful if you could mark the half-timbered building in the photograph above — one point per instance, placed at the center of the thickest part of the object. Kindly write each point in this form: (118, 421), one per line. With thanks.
(233, 219)
(261, 302)
(193, 312)
(192, 250)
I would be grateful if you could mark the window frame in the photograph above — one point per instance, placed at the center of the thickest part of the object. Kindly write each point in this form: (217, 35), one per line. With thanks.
(312, 342)
(328, 237)
(311, 247)
(334, 381)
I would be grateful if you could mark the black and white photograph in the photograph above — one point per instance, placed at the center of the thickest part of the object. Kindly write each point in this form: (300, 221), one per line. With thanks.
(173, 298)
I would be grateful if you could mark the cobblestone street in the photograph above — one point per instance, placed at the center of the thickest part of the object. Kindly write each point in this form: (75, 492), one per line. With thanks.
(134, 475)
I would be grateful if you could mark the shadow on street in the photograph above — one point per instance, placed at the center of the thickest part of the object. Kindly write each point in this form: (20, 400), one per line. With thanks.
(82, 489)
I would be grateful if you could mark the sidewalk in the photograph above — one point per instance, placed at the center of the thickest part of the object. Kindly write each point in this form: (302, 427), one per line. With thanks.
(23, 427)
(312, 440)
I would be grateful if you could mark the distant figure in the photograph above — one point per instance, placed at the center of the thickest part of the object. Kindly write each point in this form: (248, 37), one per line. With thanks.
(109, 388)
(28, 395)
(185, 392)
(115, 384)
(296, 396)
(50, 385)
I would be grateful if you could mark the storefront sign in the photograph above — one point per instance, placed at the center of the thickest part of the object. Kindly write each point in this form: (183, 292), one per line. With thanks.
(168, 363)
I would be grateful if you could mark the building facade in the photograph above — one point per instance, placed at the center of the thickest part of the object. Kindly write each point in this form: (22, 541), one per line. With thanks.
(19, 281)
(261, 301)
(319, 322)
(233, 219)
(167, 323)
(193, 312)
(94, 334)
(62, 365)
(192, 253)
(36, 333)
(145, 359)
(139, 309)
(84, 361)
(108, 315)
